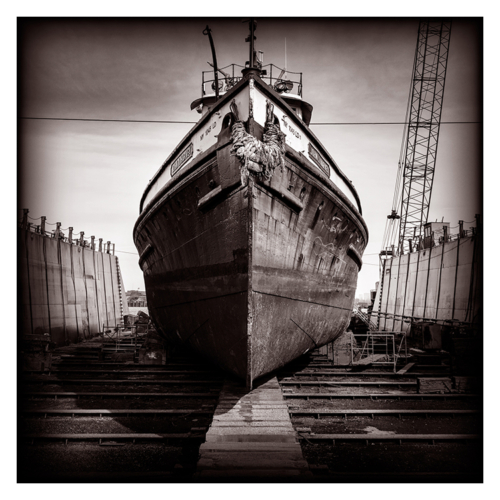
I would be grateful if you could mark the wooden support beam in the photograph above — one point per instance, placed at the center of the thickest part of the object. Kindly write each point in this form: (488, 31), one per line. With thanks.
(405, 369)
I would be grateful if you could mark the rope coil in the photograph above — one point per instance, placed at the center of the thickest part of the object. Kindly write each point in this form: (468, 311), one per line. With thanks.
(261, 157)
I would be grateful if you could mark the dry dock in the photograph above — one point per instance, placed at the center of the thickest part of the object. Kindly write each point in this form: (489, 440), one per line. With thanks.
(69, 288)
(96, 418)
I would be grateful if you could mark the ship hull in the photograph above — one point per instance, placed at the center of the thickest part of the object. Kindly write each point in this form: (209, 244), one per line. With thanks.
(248, 271)
(197, 277)
(250, 281)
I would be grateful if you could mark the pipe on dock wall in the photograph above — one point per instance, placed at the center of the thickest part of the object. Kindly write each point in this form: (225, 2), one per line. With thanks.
(398, 276)
(386, 281)
(411, 279)
(415, 285)
(96, 289)
(441, 273)
(103, 275)
(73, 301)
(63, 291)
(113, 277)
(24, 291)
(474, 301)
(427, 277)
(36, 284)
(61, 284)
(456, 268)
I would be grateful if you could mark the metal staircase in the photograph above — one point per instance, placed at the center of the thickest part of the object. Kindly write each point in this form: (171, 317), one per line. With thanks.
(365, 319)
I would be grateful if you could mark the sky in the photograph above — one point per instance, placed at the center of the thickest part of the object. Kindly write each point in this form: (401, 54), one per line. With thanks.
(91, 175)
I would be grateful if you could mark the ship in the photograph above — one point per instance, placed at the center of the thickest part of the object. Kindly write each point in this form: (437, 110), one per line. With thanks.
(250, 237)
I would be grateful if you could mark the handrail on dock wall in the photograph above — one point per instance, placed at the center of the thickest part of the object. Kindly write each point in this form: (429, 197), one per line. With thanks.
(58, 233)
(439, 236)
(409, 319)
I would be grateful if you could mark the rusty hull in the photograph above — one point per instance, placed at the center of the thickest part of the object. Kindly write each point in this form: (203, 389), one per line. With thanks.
(250, 274)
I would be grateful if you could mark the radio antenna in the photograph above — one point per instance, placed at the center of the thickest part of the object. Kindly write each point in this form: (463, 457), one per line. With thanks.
(285, 59)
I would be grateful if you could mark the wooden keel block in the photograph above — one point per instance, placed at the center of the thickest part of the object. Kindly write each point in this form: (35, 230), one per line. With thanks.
(434, 385)
(250, 438)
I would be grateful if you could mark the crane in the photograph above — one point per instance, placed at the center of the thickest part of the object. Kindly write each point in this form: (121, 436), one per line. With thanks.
(417, 159)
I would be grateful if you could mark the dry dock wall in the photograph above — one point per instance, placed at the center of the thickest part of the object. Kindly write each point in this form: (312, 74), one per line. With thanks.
(438, 284)
(66, 290)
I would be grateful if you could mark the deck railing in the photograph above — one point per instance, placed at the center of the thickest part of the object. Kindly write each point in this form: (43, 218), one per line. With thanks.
(281, 80)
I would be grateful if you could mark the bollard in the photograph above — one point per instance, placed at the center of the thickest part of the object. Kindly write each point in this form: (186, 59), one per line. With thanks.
(42, 227)
(70, 235)
(82, 241)
(113, 248)
(92, 242)
(460, 228)
(100, 244)
(57, 233)
(107, 246)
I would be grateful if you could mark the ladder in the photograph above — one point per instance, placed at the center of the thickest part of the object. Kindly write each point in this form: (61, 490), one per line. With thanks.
(365, 319)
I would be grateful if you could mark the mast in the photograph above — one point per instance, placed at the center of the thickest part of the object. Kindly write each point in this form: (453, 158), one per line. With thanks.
(253, 63)
(250, 38)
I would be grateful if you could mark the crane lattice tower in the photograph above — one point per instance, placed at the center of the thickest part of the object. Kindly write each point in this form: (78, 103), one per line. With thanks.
(422, 130)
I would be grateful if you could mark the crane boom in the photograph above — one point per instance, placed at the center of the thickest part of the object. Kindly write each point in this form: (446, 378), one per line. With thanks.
(422, 130)
(421, 134)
